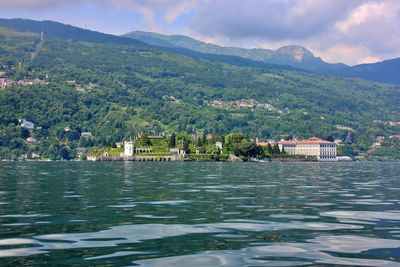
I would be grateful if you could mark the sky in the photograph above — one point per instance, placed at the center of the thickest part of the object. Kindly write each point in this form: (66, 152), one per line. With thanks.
(347, 31)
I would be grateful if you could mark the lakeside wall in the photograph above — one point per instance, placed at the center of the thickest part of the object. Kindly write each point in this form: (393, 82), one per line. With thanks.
(137, 158)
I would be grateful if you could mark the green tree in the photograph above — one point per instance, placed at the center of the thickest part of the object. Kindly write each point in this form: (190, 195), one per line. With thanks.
(172, 141)
(145, 140)
(330, 138)
(283, 151)
(233, 138)
(247, 149)
(24, 132)
(202, 150)
(185, 146)
(269, 149)
(276, 150)
(204, 140)
(64, 153)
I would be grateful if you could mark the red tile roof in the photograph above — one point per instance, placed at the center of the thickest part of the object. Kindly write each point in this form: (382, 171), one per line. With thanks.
(263, 144)
(312, 140)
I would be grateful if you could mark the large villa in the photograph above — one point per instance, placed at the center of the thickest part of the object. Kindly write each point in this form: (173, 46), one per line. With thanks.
(323, 150)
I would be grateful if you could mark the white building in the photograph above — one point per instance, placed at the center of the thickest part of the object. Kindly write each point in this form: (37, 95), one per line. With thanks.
(177, 151)
(35, 155)
(219, 145)
(86, 134)
(129, 148)
(27, 125)
(31, 140)
(323, 150)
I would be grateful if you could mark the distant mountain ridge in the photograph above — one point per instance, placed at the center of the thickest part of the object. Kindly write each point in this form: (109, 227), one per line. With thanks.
(60, 30)
(64, 31)
(387, 71)
(295, 56)
(287, 57)
(292, 55)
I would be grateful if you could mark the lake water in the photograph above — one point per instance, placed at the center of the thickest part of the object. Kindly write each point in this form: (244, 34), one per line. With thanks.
(199, 214)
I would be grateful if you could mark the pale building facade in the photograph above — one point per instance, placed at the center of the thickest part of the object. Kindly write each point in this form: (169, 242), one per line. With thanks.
(323, 150)
(129, 148)
(218, 145)
(27, 124)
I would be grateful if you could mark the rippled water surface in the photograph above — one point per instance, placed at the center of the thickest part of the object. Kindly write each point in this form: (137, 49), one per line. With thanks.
(199, 214)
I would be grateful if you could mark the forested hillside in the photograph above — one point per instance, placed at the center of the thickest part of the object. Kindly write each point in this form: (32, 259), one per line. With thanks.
(115, 89)
(296, 56)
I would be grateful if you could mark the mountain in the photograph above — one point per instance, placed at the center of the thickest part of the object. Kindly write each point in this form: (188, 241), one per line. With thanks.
(59, 30)
(115, 87)
(387, 71)
(64, 31)
(295, 56)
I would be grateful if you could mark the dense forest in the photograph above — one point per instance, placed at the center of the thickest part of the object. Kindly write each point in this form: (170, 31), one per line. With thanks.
(115, 89)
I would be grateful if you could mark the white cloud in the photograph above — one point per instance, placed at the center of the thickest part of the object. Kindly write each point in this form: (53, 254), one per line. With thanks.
(366, 12)
(157, 15)
(349, 54)
(42, 4)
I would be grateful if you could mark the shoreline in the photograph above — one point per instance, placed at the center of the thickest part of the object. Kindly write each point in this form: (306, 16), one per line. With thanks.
(195, 160)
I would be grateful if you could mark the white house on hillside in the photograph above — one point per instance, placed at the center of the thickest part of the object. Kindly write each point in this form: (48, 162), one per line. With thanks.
(27, 125)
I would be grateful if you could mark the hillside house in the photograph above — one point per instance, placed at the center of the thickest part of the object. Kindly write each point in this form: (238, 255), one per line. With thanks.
(86, 134)
(263, 144)
(31, 140)
(5, 82)
(27, 124)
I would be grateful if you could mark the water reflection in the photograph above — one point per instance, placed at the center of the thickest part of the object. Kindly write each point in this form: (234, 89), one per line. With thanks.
(199, 214)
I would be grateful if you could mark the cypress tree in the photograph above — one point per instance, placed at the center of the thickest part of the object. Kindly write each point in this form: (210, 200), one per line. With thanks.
(269, 149)
(204, 141)
(172, 141)
(283, 151)
(276, 150)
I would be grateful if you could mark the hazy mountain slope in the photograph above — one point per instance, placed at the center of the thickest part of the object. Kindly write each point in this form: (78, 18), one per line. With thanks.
(387, 71)
(295, 56)
(55, 29)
